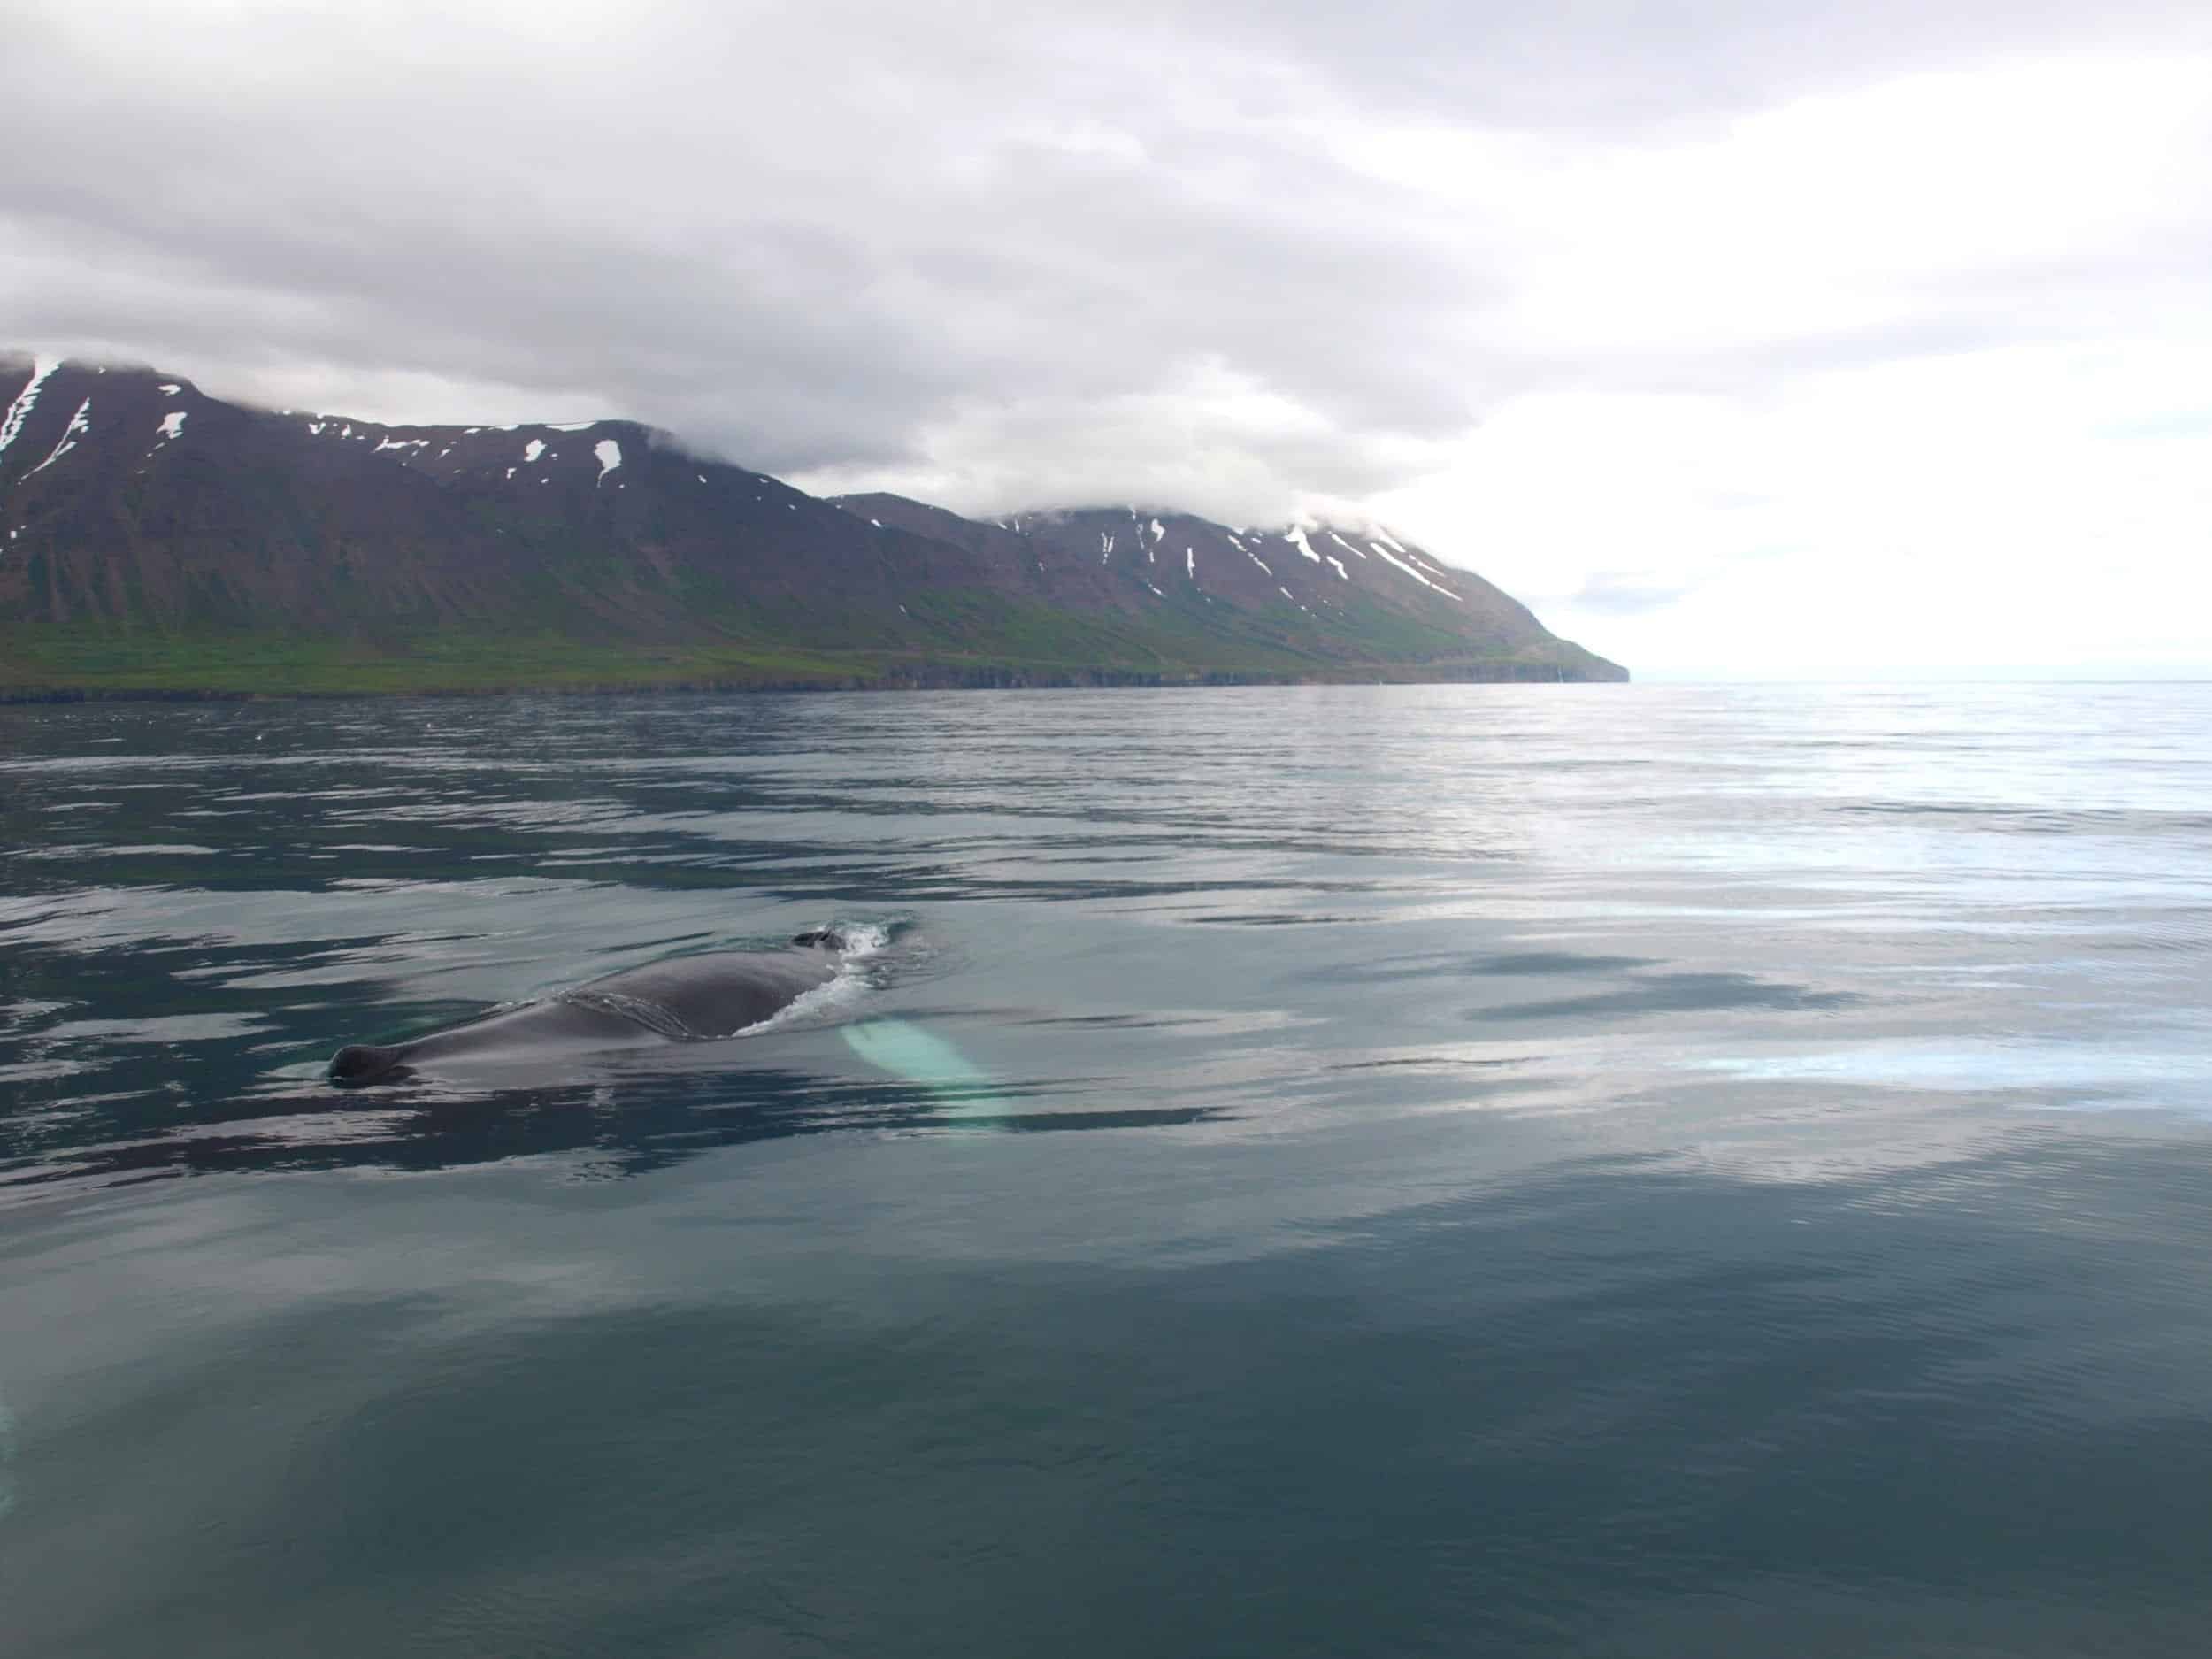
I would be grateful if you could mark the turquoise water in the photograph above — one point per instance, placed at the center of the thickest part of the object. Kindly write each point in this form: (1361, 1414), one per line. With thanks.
(1543, 1170)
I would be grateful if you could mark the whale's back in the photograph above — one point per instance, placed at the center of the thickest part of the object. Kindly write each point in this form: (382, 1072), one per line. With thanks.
(688, 999)
(715, 995)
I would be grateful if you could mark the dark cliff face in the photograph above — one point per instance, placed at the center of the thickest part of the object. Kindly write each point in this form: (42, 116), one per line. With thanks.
(132, 503)
(1339, 580)
(1338, 595)
(130, 498)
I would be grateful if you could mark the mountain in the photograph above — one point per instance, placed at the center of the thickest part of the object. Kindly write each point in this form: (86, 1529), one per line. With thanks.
(153, 538)
(1364, 594)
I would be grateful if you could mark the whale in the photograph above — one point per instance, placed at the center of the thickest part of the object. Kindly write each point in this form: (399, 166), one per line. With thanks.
(686, 999)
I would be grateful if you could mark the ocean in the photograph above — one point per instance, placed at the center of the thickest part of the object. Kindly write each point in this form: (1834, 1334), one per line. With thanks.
(1544, 1169)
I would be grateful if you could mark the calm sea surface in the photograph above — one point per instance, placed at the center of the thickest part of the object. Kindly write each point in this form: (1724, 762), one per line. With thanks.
(1593, 1171)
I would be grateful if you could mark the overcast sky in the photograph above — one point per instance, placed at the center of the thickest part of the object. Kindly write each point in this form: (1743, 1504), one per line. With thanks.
(1751, 337)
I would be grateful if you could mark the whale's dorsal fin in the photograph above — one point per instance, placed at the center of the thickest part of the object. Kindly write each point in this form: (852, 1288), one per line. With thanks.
(364, 1063)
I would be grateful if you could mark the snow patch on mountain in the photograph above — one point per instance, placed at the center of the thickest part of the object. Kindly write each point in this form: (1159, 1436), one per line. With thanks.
(1416, 575)
(79, 423)
(20, 410)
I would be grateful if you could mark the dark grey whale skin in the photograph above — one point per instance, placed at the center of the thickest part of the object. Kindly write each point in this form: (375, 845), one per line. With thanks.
(687, 999)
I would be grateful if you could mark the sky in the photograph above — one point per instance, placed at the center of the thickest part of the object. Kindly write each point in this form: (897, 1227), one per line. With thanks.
(1743, 338)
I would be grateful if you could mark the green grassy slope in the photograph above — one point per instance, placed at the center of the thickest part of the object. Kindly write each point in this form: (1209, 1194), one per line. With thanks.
(950, 639)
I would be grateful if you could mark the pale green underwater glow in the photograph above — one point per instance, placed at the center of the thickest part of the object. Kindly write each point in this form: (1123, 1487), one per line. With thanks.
(908, 1051)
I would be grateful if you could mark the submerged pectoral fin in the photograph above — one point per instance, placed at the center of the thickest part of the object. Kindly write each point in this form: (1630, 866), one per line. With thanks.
(917, 1055)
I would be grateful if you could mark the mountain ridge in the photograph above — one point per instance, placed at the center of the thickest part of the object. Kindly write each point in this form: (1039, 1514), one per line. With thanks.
(156, 540)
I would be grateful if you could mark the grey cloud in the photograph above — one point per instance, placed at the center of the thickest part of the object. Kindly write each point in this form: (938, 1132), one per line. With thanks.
(1002, 250)
(1631, 66)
